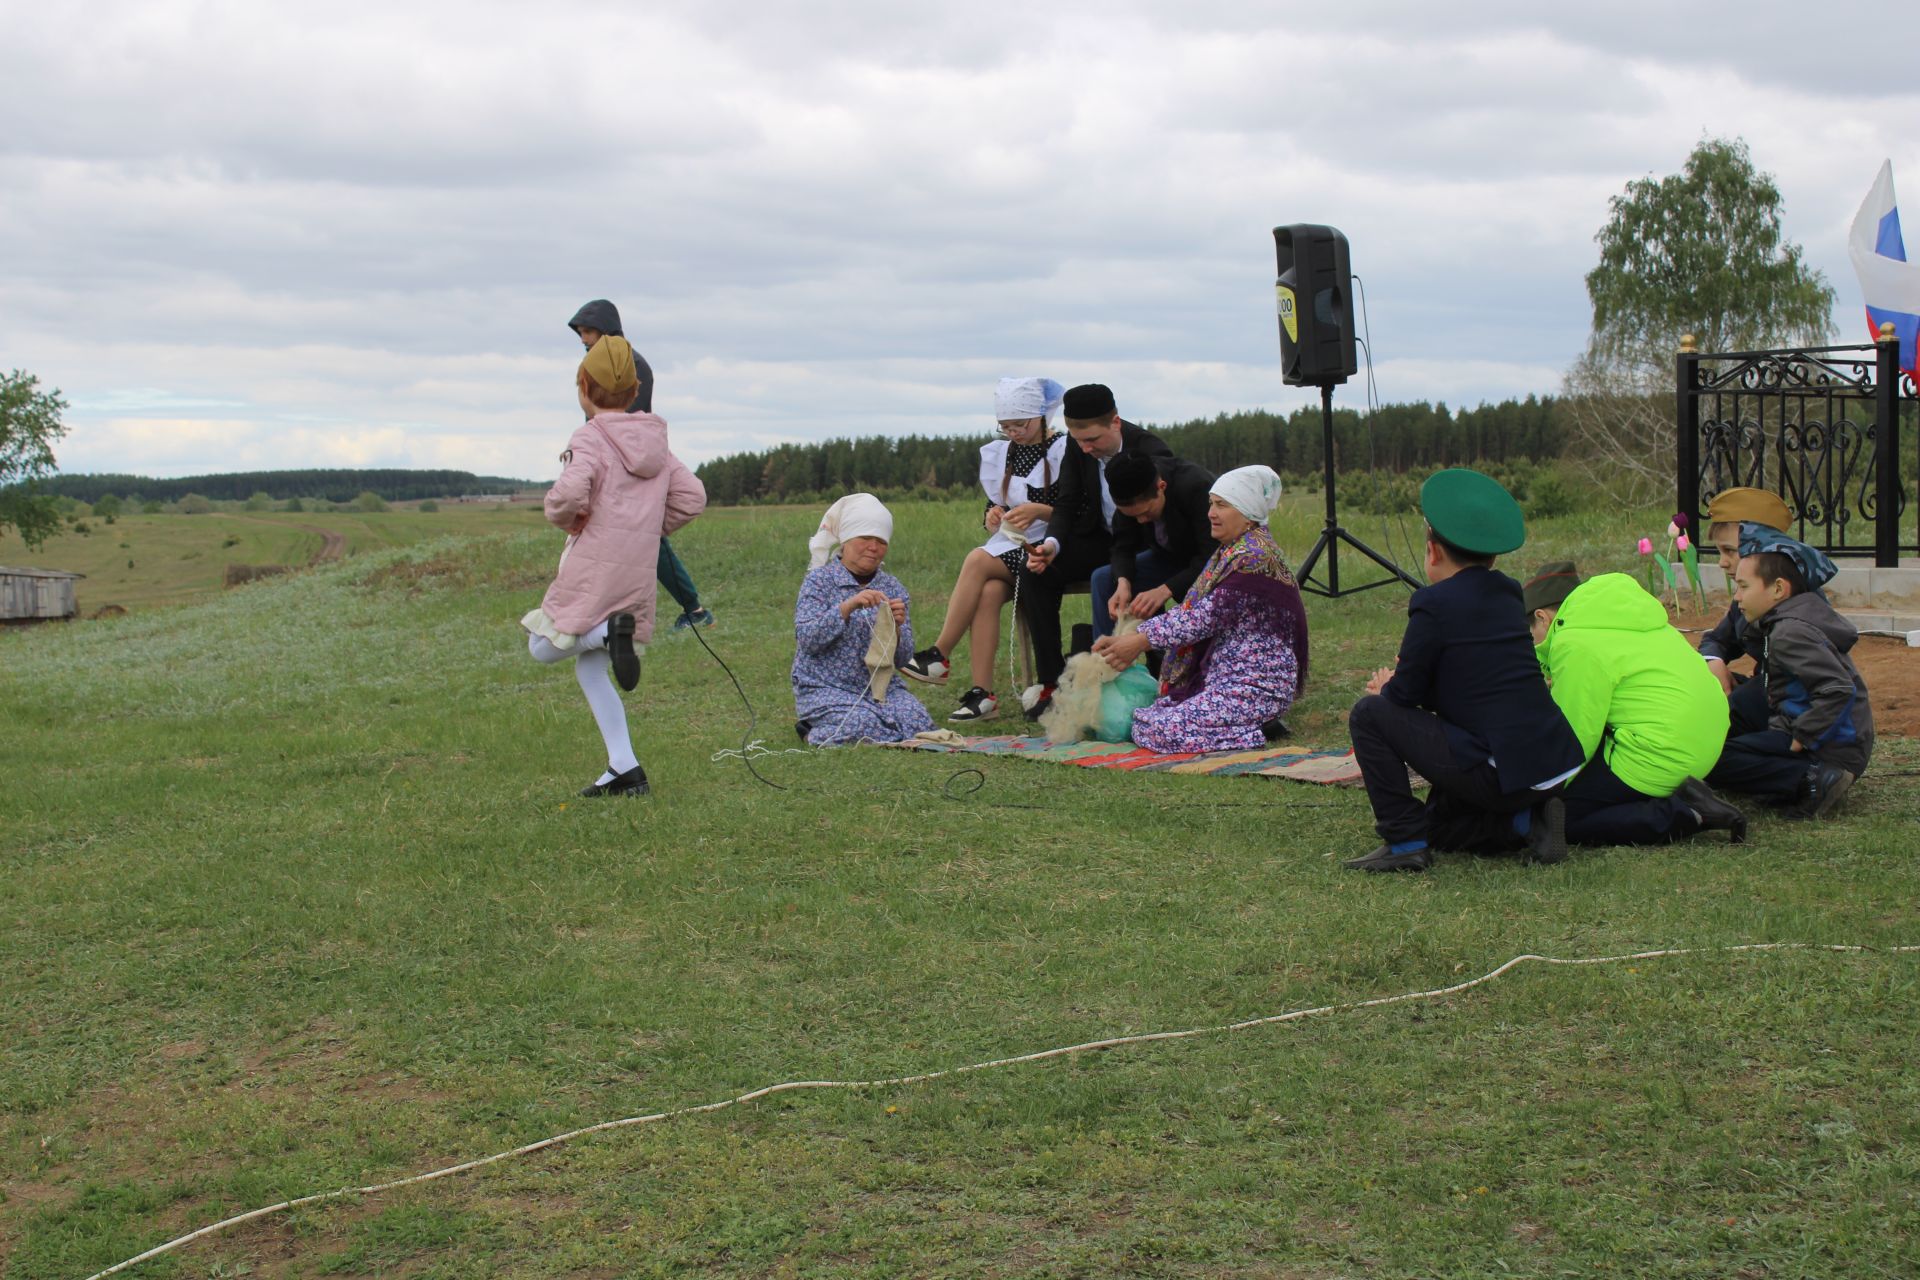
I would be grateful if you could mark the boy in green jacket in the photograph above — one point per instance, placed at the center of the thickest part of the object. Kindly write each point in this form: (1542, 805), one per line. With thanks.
(1649, 715)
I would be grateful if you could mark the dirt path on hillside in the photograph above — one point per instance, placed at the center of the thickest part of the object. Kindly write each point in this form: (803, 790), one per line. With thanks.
(333, 545)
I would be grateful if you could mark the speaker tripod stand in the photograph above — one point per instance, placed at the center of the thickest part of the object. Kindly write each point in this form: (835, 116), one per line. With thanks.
(1332, 534)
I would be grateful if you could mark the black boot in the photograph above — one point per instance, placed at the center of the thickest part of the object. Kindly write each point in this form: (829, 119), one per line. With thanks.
(631, 783)
(1714, 813)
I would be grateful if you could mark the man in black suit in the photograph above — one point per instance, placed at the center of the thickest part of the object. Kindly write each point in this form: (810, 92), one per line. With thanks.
(1465, 705)
(1080, 532)
(1161, 536)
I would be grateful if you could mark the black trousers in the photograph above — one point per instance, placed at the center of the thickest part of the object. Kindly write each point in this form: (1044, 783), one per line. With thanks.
(1747, 707)
(1601, 809)
(1763, 764)
(1040, 596)
(1465, 810)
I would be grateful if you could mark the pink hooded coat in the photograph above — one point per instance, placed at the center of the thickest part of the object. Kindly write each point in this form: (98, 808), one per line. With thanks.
(630, 489)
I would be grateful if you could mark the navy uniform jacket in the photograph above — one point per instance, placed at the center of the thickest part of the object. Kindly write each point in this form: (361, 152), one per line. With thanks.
(1076, 512)
(1468, 657)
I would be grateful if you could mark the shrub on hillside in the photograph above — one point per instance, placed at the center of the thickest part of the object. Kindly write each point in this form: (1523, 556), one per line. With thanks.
(370, 501)
(195, 505)
(429, 506)
(259, 502)
(294, 504)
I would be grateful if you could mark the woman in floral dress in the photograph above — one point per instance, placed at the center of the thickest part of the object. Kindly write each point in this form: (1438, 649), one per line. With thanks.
(1237, 645)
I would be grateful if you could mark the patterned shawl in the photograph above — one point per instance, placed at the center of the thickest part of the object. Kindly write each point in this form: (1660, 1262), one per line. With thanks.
(1253, 565)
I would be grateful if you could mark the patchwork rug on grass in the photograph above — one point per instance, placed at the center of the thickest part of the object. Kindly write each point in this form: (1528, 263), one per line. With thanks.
(1277, 760)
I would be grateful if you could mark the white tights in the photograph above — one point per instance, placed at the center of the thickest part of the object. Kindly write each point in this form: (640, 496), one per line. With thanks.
(593, 668)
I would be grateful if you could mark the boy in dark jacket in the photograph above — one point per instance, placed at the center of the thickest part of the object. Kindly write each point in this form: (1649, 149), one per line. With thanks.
(1465, 704)
(589, 324)
(1819, 734)
(1161, 537)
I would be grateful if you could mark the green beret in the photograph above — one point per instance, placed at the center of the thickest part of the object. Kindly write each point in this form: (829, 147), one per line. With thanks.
(1549, 588)
(1472, 512)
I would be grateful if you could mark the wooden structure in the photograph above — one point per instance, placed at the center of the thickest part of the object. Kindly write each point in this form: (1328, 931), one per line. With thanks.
(36, 595)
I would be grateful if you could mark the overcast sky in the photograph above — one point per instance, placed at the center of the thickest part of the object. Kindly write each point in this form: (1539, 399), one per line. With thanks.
(260, 235)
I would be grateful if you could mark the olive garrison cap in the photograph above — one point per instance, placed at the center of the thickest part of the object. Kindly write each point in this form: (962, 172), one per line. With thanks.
(1550, 587)
(1472, 512)
(1733, 506)
(609, 362)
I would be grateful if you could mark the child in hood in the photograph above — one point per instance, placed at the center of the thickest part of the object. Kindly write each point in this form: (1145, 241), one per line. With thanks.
(1819, 734)
(620, 491)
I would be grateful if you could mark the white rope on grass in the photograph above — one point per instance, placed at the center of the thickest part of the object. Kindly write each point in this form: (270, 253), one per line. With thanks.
(923, 1077)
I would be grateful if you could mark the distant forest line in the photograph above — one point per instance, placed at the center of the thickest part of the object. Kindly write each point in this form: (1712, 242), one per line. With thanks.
(393, 484)
(1395, 438)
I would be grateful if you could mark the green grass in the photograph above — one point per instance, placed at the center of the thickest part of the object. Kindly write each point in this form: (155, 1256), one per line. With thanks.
(145, 561)
(297, 896)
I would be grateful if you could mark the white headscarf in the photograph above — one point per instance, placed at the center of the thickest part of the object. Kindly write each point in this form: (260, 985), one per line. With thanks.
(858, 515)
(1252, 491)
(1017, 399)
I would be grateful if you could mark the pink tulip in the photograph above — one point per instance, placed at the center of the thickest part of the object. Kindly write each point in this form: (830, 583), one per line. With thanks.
(1646, 546)
(1680, 543)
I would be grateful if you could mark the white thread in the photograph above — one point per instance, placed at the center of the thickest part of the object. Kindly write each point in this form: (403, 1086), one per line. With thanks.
(1042, 1055)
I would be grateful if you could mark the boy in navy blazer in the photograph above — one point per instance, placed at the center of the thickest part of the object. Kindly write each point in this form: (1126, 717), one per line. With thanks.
(1465, 705)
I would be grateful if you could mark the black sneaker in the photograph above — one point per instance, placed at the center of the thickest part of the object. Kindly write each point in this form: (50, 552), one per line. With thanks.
(1275, 729)
(976, 704)
(929, 666)
(1035, 700)
(631, 783)
(1714, 813)
(626, 663)
(1820, 790)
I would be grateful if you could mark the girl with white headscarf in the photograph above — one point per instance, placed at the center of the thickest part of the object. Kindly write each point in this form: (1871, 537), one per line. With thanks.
(1237, 645)
(1020, 474)
(851, 630)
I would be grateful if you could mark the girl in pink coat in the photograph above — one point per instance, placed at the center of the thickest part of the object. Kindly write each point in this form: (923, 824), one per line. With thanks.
(620, 490)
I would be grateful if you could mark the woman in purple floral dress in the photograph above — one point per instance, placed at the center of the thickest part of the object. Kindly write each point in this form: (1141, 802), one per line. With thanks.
(1237, 645)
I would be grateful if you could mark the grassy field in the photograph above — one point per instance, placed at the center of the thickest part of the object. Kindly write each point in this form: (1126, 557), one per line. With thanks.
(143, 561)
(298, 896)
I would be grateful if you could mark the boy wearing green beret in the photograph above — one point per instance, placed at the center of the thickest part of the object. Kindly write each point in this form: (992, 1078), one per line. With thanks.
(1650, 716)
(1464, 705)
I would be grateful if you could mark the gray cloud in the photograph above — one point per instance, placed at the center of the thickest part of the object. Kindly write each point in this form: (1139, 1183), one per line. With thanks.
(356, 235)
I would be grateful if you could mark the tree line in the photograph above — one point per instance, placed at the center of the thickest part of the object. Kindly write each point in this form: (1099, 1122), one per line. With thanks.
(336, 485)
(1394, 438)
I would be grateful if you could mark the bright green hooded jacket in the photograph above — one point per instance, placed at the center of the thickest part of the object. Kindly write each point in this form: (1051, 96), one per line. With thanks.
(1616, 664)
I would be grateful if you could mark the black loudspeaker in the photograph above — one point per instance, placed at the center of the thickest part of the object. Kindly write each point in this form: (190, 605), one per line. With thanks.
(1314, 292)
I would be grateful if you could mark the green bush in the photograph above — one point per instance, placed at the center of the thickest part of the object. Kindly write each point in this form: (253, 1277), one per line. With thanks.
(260, 502)
(369, 501)
(195, 505)
(429, 506)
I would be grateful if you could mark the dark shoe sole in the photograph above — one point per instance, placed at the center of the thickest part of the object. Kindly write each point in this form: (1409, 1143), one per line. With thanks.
(1418, 860)
(1547, 843)
(631, 783)
(626, 663)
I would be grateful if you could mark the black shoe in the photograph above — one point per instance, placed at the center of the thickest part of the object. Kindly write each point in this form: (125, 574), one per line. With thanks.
(626, 663)
(631, 783)
(1820, 790)
(1547, 838)
(929, 666)
(1082, 639)
(1714, 813)
(803, 728)
(1035, 699)
(1385, 859)
(976, 704)
(1275, 729)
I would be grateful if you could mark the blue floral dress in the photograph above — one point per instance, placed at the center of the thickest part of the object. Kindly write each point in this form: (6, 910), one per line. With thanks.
(830, 664)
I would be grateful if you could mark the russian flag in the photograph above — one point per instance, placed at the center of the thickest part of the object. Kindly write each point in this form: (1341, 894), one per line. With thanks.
(1889, 282)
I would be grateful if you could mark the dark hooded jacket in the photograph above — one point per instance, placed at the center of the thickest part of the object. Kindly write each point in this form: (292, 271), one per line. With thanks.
(1814, 691)
(605, 317)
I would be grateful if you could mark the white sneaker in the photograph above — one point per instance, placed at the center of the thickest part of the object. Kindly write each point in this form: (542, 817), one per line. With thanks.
(976, 704)
(926, 666)
(1033, 695)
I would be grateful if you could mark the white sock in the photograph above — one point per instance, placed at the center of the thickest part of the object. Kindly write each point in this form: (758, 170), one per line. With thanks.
(594, 671)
